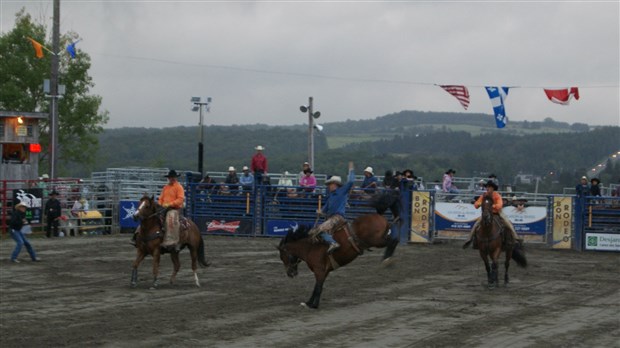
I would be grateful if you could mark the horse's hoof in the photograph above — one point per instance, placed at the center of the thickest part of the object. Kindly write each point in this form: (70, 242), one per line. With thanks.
(305, 305)
(388, 262)
(133, 285)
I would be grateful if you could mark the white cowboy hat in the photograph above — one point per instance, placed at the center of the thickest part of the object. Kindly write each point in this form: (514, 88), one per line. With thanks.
(20, 204)
(45, 176)
(231, 169)
(246, 168)
(334, 180)
(259, 148)
(369, 170)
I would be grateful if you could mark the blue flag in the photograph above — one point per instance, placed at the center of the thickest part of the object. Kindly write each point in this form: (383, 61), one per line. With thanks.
(71, 48)
(498, 95)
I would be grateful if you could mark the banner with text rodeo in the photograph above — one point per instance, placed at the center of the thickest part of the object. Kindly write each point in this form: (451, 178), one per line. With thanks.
(420, 214)
(562, 222)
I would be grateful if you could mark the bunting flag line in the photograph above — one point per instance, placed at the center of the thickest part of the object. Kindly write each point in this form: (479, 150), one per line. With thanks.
(71, 48)
(562, 96)
(498, 95)
(459, 92)
(38, 48)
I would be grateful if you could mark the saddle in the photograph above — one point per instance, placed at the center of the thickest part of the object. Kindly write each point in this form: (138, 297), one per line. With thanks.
(351, 236)
(507, 240)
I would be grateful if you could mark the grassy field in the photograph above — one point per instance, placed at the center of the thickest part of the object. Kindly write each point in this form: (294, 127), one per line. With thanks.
(341, 140)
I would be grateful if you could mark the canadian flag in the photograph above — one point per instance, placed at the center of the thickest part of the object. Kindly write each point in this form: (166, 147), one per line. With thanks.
(562, 96)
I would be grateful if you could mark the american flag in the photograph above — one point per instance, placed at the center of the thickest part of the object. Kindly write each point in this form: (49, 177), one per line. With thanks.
(459, 92)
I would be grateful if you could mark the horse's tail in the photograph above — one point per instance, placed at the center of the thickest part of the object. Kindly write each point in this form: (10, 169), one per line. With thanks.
(201, 253)
(518, 254)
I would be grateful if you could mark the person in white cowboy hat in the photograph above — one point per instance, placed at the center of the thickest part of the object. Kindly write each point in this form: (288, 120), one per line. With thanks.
(258, 166)
(498, 204)
(583, 188)
(335, 206)
(370, 180)
(232, 180)
(246, 179)
(17, 223)
(172, 198)
(302, 174)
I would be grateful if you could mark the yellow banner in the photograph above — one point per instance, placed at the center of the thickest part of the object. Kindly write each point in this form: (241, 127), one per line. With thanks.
(562, 222)
(420, 213)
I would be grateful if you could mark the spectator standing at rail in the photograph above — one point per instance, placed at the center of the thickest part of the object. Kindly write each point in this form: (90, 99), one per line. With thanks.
(595, 189)
(301, 174)
(388, 180)
(308, 182)
(246, 179)
(232, 180)
(370, 181)
(52, 214)
(583, 188)
(448, 186)
(258, 166)
(17, 224)
(409, 180)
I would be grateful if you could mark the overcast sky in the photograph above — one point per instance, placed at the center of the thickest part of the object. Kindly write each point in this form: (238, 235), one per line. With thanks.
(261, 60)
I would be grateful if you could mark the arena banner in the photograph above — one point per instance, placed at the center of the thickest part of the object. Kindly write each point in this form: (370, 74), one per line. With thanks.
(32, 199)
(127, 209)
(225, 226)
(459, 217)
(280, 227)
(603, 241)
(420, 215)
(562, 222)
(528, 220)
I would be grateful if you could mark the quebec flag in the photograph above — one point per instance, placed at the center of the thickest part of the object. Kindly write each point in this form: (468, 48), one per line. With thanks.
(498, 95)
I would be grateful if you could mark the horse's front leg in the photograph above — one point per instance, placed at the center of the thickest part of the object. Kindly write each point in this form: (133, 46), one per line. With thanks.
(174, 256)
(506, 265)
(494, 271)
(484, 258)
(134, 273)
(314, 300)
(156, 259)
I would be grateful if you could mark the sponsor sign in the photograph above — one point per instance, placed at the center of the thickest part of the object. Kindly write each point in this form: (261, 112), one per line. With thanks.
(603, 241)
(562, 222)
(232, 226)
(127, 209)
(420, 215)
(455, 216)
(461, 217)
(32, 199)
(528, 220)
(280, 227)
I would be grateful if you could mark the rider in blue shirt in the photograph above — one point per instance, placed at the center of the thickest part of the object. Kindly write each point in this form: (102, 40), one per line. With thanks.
(334, 208)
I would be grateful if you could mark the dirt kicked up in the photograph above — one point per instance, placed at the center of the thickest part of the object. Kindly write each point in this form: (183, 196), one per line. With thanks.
(434, 296)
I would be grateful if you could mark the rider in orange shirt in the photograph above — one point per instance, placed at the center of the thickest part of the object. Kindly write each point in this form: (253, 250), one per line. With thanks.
(172, 198)
(498, 204)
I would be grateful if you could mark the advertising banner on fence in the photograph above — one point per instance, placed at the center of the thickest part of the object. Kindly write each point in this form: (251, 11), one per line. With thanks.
(227, 226)
(280, 227)
(420, 215)
(461, 217)
(528, 220)
(562, 222)
(603, 241)
(455, 216)
(32, 198)
(125, 214)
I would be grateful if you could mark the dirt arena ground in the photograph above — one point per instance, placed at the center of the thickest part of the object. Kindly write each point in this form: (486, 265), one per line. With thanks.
(79, 296)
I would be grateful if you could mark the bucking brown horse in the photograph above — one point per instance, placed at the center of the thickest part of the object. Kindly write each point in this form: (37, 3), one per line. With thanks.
(366, 231)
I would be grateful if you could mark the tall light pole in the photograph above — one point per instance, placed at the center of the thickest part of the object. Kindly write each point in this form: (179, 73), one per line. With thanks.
(53, 125)
(311, 116)
(199, 104)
